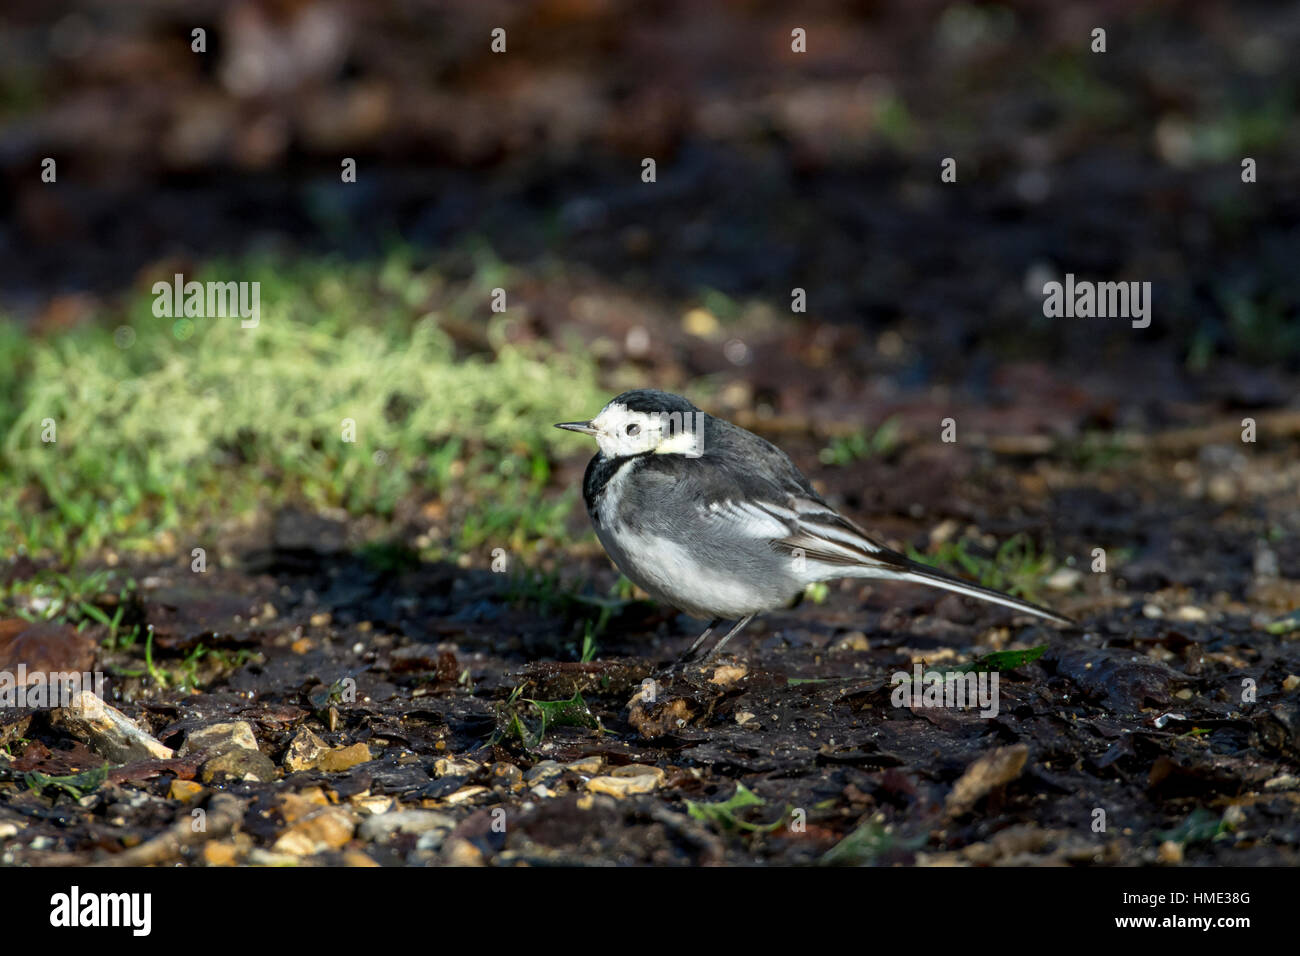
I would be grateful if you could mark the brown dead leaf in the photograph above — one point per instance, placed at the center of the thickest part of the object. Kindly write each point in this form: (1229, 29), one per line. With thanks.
(995, 769)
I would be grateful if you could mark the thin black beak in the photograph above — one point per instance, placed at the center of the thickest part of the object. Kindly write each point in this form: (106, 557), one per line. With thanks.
(584, 427)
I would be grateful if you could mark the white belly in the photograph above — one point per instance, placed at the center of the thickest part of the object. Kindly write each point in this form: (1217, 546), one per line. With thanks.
(670, 573)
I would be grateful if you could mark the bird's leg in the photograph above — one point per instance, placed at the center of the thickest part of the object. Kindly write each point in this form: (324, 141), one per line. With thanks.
(690, 651)
(740, 626)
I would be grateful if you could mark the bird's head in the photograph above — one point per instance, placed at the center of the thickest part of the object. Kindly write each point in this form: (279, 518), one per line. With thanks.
(643, 421)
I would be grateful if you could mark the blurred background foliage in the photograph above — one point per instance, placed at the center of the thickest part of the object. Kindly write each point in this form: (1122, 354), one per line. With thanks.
(521, 170)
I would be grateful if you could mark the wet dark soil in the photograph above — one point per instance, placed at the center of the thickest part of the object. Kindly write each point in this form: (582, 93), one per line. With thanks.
(1164, 728)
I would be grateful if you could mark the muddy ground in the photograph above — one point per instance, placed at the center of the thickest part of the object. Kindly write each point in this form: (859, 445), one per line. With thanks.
(1139, 712)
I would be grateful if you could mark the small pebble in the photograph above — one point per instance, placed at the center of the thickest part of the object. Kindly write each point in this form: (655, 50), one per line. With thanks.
(453, 767)
(184, 790)
(465, 794)
(507, 775)
(852, 641)
(1064, 579)
(585, 765)
(304, 750)
(1171, 852)
(544, 770)
(343, 758)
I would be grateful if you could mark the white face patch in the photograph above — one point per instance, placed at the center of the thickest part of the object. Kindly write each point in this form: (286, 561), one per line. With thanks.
(621, 431)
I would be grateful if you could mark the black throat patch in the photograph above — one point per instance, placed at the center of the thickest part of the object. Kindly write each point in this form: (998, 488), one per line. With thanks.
(600, 470)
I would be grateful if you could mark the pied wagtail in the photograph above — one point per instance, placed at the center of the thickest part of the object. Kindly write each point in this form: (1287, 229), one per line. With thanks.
(719, 523)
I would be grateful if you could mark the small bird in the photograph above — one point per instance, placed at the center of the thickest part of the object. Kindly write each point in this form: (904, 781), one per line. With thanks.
(719, 523)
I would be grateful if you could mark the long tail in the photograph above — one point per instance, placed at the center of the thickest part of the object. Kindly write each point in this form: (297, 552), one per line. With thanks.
(842, 549)
(921, 574)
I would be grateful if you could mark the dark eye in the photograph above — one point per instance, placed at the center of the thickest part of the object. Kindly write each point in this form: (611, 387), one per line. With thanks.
(633, 430)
